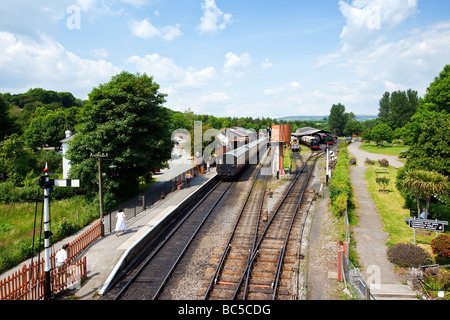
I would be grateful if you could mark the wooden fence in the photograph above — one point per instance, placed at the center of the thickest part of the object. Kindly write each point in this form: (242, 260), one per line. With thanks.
(28, 282)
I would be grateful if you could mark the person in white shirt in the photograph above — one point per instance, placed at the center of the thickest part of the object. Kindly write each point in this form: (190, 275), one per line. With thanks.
(61, 257)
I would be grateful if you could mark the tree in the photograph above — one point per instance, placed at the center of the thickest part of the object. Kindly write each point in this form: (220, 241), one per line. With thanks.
(383, 182)
(15, 161)
(47, 128)
(396, 109)
(125, 119)
(428, 133)
(438, 93)
(382, 132)
(353, 127)
(384, 111)
(430, 145)
(425, 184)
(338, 119)
(6, 123)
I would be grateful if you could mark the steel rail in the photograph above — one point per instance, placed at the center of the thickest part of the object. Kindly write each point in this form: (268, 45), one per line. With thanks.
(233, 231)
(161, 245)
(256, 235)
(230, 238)
(164, 282)
(255, 252)
(283, 251)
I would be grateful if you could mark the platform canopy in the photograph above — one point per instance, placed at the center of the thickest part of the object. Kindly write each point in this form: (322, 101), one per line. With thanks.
(308, 131)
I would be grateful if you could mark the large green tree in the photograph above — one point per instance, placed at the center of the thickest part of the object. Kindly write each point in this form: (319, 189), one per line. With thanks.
(125, 119)
(437, 97)
(15, 160)
(430, 149)
(6, 123)
(428, 133)
(382, 132)
(339, 118)
(397, 108)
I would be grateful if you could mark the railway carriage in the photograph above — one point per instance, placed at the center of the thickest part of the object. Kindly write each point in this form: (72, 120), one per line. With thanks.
(231, 163)
(311, 142)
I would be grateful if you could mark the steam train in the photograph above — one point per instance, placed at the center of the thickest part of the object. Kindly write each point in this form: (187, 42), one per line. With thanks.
(311, 142)
(329, 140)
(231, 163)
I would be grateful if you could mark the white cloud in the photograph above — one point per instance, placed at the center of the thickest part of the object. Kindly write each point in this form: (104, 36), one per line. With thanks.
(372, 61)
(100, 53)
(213, 19)
(145, 30)
(365, 17)
(49, 65)
(235, 64)
(216, 98)
(168, 74)
(290, 88)
(266, 64)
(138, 3)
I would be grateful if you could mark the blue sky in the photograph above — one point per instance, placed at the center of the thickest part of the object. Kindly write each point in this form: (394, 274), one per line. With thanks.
(258, 58)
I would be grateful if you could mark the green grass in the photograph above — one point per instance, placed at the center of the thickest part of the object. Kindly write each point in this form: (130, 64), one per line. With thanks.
(390, 205)
(390, 151)
(17, 221)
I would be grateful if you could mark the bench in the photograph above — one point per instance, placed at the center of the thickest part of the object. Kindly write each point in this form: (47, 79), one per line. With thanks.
(381, 170)
(180, 185)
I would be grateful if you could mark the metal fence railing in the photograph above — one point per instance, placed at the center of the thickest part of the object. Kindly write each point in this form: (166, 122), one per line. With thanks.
(351, 275)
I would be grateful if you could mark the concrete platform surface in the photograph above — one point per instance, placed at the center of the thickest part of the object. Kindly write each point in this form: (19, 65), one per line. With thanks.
(393, 292)
(105, 255)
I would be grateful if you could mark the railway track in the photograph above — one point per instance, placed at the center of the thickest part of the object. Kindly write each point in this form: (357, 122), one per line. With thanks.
(148, 279)
(259, 257)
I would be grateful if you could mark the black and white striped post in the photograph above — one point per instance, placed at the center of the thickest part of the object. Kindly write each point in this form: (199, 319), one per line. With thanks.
(47, 184)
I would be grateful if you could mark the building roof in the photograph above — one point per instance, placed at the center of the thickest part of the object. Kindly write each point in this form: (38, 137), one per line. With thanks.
(67, 139)
(308, 131)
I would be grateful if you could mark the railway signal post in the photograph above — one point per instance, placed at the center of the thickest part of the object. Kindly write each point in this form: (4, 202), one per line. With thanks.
(47, 184)
(328, 165)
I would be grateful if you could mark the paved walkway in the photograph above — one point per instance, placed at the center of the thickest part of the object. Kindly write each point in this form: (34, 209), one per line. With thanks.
(361, 156)
(371, 240)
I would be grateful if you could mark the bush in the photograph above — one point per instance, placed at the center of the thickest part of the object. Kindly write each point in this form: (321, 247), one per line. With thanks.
(340, 186)
(408, 255)
(437, 281)
(64, 228)
(441, 247)
(383, 162)
(339, 204)
(383, 182)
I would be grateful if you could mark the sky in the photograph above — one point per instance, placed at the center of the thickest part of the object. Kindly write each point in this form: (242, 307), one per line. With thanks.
(237, 58)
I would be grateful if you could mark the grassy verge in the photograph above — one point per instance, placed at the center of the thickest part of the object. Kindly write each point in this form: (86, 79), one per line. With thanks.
(17, 222)
(389, 150)
(390, 205)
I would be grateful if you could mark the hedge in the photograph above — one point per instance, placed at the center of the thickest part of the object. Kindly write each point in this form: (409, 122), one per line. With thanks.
(340, 186)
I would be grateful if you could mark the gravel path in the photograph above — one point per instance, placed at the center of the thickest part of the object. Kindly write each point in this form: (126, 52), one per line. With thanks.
(361, 156)
(369, 235)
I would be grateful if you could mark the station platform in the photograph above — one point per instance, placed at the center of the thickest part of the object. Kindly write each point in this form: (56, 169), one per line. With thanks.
(106, 255)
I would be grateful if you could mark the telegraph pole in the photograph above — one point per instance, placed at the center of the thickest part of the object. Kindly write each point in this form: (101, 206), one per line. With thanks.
(99, 156)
